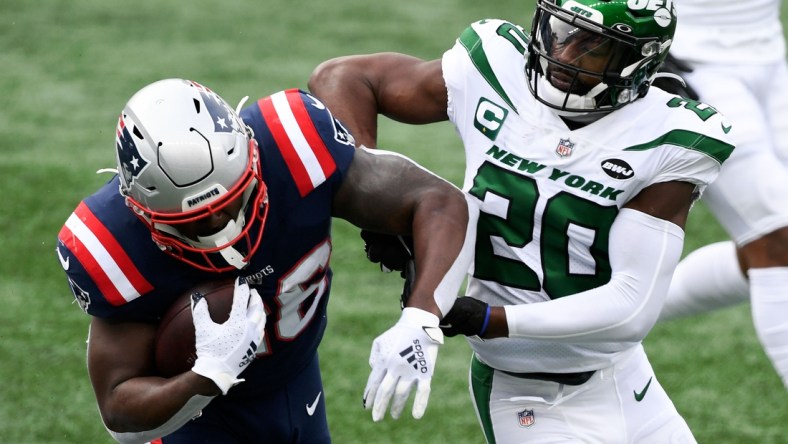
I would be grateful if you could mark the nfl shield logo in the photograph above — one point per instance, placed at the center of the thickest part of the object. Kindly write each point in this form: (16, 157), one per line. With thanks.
(564, 148)
(526, 418)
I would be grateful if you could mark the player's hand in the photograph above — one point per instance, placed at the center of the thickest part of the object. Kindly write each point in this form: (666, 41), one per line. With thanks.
(401, 358)
(225, 350)
(389, 251)
(468, 316)
(678, 67)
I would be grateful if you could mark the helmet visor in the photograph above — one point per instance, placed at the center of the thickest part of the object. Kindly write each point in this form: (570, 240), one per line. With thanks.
(576, 55)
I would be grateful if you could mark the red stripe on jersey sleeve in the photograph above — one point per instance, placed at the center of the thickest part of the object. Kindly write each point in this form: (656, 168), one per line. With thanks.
(100, 278)
(115, 250)
(293, 161)
(311, 135)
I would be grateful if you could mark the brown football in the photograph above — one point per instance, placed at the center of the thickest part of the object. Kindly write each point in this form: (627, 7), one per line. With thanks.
(175, 351)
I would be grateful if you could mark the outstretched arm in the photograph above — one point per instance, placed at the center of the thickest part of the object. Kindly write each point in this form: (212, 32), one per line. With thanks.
(388, 193)
(624, 309)
(401, 87)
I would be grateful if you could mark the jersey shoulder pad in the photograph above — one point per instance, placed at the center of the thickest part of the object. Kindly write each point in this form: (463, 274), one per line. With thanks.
(491, 52)
(91, 239)
(108, 256)
(695, 125)
(313, 144)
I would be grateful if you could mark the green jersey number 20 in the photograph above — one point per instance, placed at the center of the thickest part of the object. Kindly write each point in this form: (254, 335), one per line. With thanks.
(563, 214)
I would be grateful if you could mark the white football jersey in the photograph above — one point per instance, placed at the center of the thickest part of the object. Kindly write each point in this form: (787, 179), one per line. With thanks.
(738, 31)
(548, 194)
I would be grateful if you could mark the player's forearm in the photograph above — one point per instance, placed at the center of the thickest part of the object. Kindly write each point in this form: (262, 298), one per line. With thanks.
(190, 410)
(444, 237)
(147, 403)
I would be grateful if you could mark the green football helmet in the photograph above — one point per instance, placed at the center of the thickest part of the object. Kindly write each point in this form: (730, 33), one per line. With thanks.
(592, 56)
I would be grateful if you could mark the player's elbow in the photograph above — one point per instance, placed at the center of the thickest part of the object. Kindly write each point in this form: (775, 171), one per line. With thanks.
(634, 330)
(122, 433)
(637, 312)
(113, 422)
(119, 422)
(447, 203)
(328, 74)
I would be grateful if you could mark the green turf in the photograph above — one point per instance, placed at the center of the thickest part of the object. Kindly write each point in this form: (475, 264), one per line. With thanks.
(67, 69)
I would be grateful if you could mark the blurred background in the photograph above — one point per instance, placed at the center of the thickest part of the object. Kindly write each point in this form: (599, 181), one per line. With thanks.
(67, 70)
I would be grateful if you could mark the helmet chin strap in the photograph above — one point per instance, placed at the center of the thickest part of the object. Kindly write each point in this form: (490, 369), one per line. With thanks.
(223, 237)
(555, 96)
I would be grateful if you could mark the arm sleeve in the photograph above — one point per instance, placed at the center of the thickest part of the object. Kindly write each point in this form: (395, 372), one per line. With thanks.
(627, 307)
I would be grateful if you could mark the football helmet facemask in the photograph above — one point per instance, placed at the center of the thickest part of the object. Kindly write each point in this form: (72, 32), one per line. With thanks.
(184, 155)
(590, 56)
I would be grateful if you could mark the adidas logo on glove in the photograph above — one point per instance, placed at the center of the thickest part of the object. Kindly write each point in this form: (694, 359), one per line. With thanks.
(415, 356)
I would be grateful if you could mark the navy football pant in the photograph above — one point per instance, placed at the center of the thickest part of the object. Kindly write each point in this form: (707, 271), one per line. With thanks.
(295, 413)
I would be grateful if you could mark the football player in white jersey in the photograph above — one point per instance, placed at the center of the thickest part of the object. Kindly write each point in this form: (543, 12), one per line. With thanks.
(736, 52)
(585, 178)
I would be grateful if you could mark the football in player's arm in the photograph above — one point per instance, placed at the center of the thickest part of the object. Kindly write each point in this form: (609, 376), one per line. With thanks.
(205, 192)
(585, 177)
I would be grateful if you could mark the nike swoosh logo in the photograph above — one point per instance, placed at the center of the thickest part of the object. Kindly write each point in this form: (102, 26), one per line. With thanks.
(63, 262)
(310, 408)
(639, 396)
(317, 104)
(726, 129)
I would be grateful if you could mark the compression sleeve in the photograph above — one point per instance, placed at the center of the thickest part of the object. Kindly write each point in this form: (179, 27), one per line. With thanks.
(192, 409)
(644, 251)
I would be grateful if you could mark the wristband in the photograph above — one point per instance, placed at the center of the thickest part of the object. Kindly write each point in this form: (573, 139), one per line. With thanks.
(486, 321)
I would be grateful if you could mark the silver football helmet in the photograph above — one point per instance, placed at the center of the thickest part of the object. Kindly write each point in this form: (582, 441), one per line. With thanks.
(184, 155)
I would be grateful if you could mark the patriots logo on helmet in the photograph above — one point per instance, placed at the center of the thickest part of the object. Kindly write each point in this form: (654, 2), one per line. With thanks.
(221, 114)
(131, 162)
(224, 120)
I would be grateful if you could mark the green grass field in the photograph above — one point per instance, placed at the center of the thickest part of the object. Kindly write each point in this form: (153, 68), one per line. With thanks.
(67, 69)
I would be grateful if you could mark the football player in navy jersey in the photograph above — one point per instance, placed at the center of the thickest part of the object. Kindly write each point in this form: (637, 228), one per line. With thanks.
(205, 192)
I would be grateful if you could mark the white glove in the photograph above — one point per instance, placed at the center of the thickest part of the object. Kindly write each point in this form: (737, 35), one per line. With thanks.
(225, 350)
(402, 357)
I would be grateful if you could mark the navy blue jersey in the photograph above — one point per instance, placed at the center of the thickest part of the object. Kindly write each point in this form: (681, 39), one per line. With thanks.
(116, 271)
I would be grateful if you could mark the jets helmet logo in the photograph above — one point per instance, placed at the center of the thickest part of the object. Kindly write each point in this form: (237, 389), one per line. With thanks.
(131, 162)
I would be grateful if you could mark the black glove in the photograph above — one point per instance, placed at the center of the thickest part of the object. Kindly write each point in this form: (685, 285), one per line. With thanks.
(392, 253)
(468, 316)
(409, 273)
(389, 251)
(674, 86)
